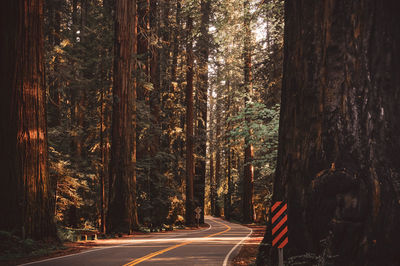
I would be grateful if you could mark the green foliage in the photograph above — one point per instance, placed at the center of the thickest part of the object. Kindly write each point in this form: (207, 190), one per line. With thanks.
(255, 123)
(13, 247)
(78, 70)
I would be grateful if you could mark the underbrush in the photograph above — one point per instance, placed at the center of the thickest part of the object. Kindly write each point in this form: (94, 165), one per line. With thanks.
(13, 247)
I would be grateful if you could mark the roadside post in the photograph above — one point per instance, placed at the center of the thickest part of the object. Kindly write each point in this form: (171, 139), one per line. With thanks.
(279, 228)
(198, 212)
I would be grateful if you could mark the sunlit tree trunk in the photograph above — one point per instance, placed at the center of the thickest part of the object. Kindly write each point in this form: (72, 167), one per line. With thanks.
(211, 136)
(338, 165)
(189, 212)
(122, 213)
(26, 196)
(218, 151)
(202, 91)
(176, 41)
(228, 201)
(248, 178)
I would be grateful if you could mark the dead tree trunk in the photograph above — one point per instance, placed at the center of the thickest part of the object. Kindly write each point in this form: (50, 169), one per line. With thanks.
(338, 165)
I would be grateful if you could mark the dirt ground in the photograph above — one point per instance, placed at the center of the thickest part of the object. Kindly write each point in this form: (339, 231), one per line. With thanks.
(248, 253)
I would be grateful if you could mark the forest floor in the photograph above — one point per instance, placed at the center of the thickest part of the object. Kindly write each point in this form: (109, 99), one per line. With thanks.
(18, 252)
(248, 253)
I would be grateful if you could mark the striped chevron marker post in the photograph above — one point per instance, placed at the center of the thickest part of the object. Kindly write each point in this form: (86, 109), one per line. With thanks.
(279, 227)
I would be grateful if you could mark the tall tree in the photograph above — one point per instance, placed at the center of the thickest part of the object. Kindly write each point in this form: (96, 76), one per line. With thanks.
(176, 41)
(189, 210)
(27, 198)
(338, 164)
(218, 150)
(122, 214)
(211, 138)
(203, 51)
(248, 177)
(143, 28)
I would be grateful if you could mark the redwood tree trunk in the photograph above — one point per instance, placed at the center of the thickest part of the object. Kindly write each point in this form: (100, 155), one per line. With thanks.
(248, 178)
(189, 213)
(122, 213)
(218, 150)
(203, 92)
(26, 196)
(338, 163)
(176, 41)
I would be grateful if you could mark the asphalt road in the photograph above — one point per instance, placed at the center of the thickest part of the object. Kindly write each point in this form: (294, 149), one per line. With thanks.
(215, 245)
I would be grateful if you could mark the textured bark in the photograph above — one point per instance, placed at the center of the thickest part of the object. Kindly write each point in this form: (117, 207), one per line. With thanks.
(338, 164)
(228, 198)
(176, 42)
(105, 121)
(165, 33)
(212, 183)
(211, 137)
(155, 80)
(122, 213)
(26, 196)
(248, 177)
(203, 47)
(189, 205)
(103, 170)
(218, 151)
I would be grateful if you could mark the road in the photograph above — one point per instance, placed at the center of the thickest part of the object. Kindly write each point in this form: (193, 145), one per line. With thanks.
(215, 245)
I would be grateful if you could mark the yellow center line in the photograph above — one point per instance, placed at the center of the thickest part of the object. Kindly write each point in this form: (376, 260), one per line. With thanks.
(152, 255)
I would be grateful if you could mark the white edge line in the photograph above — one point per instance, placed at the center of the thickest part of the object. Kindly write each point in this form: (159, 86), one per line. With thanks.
(226, 260)
(98, 249)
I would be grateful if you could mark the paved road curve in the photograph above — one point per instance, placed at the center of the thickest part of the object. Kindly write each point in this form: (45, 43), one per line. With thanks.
(215, 245)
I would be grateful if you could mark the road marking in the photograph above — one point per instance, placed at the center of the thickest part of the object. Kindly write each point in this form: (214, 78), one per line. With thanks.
(154, 254)
(99, 249)
(226, 260)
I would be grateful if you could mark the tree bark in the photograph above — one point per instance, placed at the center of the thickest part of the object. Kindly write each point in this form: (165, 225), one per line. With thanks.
(189, 213)
(204, 44)
(248, 178)
(155, 80)
(26, 195)
(338, 165)
(218, 150)
(122, 213)
(228, 201)
(176, 46)
(211, 136)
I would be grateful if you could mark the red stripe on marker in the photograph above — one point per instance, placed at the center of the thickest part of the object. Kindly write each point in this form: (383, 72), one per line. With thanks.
(284, 243)
(279, 213)
(276, 205)
(284, 231)
(276, 228)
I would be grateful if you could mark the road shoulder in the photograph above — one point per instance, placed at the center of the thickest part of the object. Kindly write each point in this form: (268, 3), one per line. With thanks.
(248, 252)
